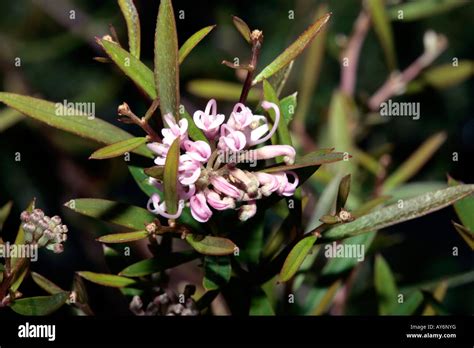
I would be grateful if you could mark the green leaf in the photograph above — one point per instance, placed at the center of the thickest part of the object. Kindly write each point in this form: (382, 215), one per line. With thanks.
(343, 193)
(220, 90)
(399, 212)
(217, 272)
(293, 50)
(288, 107)
(283, 136)
(312, 67)
(123, 237)
(80, 124)
(260, 303)
(385, 286)
(9, 118)
(4, 212)
(21, 273)
(414, 10)
(447, 75)
(130, 14)
(138, 72)
(464, 208)
(465, 233)
(209, 245)
(156, 172)
(120, 214)
(40, 305)
(170, 177)
(242, 28)
(141, 179)
(150, 266)
(383, 29)
(296, 257)
(313, 159)
(107, 279)
(279, 79)
(194, 132)
(413, 164)
(190, 43)
(119, 148)
(410, 305)
(166, 60)
(46, 284)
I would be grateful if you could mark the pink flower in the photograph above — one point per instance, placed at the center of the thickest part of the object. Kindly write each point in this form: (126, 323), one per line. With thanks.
(287, 188)
(218, 202)
(161, 150)
(231, 139)
(207, 121)
(189, 170)
(240, 118)
(269, 183)
(226, 188)
(158, 208)
(175, 130)
(198, 150)
(255, 138)
(199, 209)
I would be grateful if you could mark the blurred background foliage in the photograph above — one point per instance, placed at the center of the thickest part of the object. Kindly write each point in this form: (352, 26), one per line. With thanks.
(57, 63)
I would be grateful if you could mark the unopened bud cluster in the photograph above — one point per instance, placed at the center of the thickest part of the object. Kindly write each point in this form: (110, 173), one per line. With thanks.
(165, 303)
(44, 231)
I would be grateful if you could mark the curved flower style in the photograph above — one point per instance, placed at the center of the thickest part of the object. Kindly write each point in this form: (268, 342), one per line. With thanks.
(210, 179)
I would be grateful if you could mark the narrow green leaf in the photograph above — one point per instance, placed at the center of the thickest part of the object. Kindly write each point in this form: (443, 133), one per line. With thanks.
(193, 131)
(40, 305)
(312, 67)
(279, 79)
(343, 193)
(170, 177)
(138, 72)
(150, 266)
(464, 208)
(296, 257)
(21, 273)
(399, 212)
(315, 158)
(190, 43)
(410, 305)
(220, 90)
(414, 10)
(383, 29)
(4, 212)
(46, 284)
(385, 286)
(242, 28)
(166, 60)
(107, 279)
(282, 135)
(123, 237)
(142, 180)
(217, 272)
(120, 214)
(118, 149)
(293, 50)
(288, 107)
(448, 75)
(209, 245)
(413, 164)
(75, 122)
(132, 19)
(465, 233)
(9, 118)
(156, 172)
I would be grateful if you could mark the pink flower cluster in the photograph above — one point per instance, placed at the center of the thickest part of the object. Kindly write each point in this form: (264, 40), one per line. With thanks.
(205, 181)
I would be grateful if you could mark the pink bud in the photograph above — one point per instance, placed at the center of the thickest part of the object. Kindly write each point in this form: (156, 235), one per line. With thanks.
(188, 170)
(272, 151)
(247, 211)
(161, 150)
(241, 117)
(218, 203)
(269, 183)
(158, 208)
(199, 209)
(230, 139)
(175, 130)
(287, 188)
(223, 186)
(198, 150)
